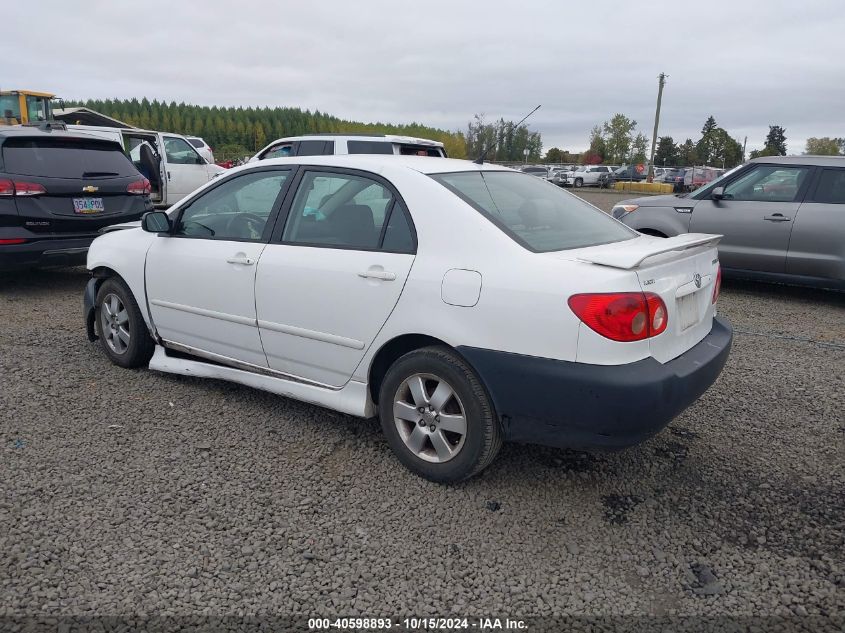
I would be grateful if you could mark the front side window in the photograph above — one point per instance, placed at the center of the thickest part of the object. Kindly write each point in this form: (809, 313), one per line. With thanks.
(180, 152)
(237, 209)
(345, 211)
(539, 216)
(279, 151)
(831, 187)
(767, 183)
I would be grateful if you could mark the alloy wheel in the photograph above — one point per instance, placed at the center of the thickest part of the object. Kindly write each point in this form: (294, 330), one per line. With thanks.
(114, 324)
(430, 418)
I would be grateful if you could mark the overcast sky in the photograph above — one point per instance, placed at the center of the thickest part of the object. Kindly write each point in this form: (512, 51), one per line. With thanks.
(750, 63)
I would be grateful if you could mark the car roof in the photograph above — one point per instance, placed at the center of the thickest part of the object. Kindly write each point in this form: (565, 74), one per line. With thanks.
(806, 159)
(31, 131)
(375, 162)
(392, 138)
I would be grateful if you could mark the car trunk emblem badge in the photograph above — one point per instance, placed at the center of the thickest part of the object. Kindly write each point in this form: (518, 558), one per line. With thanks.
(697, 280)
(90, 189)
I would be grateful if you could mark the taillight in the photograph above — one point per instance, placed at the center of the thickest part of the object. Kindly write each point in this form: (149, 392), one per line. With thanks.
(622, 316)
(28, 188)
(718, 287)
(11, 241)
(7, 188)
(139, 187)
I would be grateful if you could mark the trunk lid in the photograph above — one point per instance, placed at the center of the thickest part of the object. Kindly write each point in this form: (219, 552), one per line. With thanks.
(681, 270)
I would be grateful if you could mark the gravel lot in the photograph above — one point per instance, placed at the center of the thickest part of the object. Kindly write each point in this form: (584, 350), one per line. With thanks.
(133, 492)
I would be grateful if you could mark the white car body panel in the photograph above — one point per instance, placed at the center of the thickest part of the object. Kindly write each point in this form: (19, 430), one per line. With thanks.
(353, 399)
(322, 325)
(324, 337)
(198, 298)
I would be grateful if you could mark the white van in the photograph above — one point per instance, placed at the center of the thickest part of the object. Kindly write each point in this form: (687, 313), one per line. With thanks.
(169, 161)
(329, 144)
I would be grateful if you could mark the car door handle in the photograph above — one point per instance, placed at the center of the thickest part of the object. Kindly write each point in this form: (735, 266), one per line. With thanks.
(776, 217)
(245, 261)
(378, 274)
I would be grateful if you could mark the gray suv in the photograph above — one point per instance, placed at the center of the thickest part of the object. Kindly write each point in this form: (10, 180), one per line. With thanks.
(782, 217)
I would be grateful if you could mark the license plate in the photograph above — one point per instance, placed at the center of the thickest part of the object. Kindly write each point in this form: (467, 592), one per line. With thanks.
(87, 206)
(688, 310)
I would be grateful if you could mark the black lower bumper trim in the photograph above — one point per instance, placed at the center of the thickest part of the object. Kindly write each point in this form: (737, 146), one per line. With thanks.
(575, 405)
(45, 252)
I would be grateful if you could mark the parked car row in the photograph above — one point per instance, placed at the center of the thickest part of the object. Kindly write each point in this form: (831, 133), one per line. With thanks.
(781, 217)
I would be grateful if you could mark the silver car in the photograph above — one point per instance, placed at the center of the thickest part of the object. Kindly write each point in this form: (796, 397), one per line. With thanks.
(782, 217)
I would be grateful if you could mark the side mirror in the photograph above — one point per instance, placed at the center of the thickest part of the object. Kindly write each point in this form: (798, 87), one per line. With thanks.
(718, 193)
(155, 222)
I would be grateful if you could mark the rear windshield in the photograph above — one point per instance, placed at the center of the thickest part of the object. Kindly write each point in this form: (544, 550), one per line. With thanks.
(420, 150)
(536, 214)
(65, 158)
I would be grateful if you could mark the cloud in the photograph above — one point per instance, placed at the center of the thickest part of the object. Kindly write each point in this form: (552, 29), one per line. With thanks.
(749, 64)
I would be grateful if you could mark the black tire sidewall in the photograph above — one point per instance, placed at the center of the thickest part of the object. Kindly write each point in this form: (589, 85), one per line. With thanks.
(479, 414)
(140, 347)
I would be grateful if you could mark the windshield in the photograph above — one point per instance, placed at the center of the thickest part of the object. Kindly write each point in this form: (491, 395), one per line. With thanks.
(536, 214)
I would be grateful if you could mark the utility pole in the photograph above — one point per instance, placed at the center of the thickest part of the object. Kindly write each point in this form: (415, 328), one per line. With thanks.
(662, 82)
(744, 143)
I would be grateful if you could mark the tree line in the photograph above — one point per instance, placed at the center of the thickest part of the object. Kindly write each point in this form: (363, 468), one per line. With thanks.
(502, 141)
(236, 132)
(615, 142)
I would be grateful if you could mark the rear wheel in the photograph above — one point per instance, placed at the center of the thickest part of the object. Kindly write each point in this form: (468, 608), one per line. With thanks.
(437, 416)
(123, 334)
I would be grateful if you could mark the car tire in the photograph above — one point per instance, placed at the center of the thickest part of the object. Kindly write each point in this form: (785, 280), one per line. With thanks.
(120, 325)
(578, 183)
(437, 416)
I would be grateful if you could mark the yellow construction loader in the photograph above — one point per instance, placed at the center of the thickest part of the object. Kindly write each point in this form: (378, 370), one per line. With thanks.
(25, 106)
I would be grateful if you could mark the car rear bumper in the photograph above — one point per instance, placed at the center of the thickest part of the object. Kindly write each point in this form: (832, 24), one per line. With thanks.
(45, 252)
(575, 405)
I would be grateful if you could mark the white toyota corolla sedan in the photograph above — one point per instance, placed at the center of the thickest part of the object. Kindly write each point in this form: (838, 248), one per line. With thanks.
(463, 304)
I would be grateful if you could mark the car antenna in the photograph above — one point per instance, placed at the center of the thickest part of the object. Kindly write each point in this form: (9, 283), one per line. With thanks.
(480, 159)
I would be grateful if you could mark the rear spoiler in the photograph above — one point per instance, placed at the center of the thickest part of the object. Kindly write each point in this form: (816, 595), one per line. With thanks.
(632, 253)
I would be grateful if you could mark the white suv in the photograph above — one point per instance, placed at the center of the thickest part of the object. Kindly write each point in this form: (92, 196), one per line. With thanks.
(329, 144)
(586, 175)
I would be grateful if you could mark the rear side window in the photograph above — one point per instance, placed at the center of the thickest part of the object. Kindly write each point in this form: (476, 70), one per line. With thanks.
(315, 148)
(65, 158)
(534, 213)
(338, 210)
(831, 187)
(369, 147)
(195, 142)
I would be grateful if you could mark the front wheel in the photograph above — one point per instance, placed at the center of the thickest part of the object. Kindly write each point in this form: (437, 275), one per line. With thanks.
(579, 182)
(123, 334)
(437, 416)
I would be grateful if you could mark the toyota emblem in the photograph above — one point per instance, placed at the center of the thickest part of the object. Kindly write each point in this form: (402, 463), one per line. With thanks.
(697, 279)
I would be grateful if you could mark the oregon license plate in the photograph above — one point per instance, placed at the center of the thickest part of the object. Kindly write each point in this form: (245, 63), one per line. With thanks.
(87, 206)
(688, 310)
